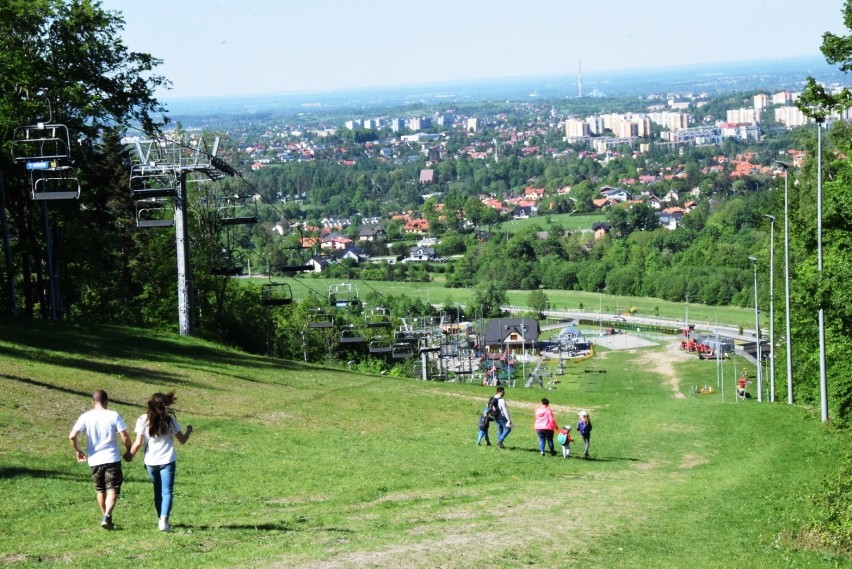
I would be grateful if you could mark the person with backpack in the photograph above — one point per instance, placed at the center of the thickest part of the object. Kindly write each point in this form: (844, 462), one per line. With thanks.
(545, 424)
(484, 423)
(584, 427)
(500, 411)
(563, 437)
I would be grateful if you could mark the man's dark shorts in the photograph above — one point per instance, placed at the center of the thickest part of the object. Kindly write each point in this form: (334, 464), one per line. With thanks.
(107, 477)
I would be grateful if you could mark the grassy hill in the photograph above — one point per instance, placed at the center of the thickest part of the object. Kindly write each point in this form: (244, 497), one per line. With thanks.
(295, 465)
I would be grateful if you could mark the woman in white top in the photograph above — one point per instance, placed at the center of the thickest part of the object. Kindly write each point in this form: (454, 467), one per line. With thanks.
(155, 432)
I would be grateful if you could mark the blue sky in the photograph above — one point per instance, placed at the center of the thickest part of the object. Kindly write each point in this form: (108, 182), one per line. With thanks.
(229, 47)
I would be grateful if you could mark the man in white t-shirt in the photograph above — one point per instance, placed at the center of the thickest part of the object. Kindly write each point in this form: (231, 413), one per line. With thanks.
(101, 427)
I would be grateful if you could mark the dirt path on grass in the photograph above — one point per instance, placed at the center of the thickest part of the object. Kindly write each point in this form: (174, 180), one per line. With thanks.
(662, 362)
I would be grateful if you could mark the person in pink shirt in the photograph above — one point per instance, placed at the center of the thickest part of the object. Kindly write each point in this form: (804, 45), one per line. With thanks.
(545, 425)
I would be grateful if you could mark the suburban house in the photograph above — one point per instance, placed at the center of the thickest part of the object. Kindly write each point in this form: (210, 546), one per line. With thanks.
(604, 202)
(670, 217)
(354, 253)
(420, 253)
(600, 230)
(523, 211)
(336, 242)
(615, 194)
(420, 226)
(654, 203)
(308, 242)
(512, 335)
(319, 262)
(371, 232)
(534, 193)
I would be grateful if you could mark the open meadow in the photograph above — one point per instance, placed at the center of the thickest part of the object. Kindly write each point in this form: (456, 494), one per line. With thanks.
(296, 465)
(435, 293)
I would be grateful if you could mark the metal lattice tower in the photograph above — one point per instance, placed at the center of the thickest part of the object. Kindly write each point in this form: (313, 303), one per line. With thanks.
(161, 169)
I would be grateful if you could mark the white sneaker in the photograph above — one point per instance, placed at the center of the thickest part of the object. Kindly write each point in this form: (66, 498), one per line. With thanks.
(164, 525)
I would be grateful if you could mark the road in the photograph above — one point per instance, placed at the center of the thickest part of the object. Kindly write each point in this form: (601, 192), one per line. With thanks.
(638, 321)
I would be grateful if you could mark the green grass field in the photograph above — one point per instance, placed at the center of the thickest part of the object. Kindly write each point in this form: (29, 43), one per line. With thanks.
(295, 465)
(564, 220)
(435, 293)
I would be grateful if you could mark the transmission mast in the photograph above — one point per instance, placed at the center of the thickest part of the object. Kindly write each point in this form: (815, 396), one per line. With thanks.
(579, 79)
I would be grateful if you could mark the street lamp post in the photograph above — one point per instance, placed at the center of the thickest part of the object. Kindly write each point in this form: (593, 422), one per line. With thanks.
(787, 335)
(823, 384)
(771, 219)
(600, 313)
(757, 334)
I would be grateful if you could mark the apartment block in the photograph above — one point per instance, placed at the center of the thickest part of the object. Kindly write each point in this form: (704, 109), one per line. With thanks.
(577, 128)
(743, 116)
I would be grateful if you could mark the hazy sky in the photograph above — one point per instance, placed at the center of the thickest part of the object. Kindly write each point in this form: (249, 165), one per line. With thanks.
(228, 47)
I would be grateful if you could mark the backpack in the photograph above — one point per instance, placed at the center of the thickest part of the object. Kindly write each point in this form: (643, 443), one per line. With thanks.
(493, 407)
(483, 422)
(563, 437)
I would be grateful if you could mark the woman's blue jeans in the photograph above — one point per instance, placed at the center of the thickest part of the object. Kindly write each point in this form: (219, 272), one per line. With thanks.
(545, 436)
(163, 477)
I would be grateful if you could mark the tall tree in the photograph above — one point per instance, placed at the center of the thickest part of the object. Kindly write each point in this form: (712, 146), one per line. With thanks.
(828, 289)
(64, 60)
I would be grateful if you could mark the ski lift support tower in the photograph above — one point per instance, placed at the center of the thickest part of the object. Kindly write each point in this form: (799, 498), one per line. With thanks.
(185, 158)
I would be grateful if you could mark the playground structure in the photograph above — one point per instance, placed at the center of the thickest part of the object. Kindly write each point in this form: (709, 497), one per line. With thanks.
(340, 326)
(706, 347)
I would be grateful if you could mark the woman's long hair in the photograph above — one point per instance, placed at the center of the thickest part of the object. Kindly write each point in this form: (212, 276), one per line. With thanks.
(160, 414)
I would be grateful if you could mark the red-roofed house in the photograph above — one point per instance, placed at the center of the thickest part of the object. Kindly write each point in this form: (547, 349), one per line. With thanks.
(534, 193)
(420, 226)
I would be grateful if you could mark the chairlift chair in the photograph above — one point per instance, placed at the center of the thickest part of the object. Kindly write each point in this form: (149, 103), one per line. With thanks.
(408, 336)
(155, 212)
(295, 268)
(402, 350)
(237, 210)
(343, 295)
(276, 294)
(55, 182)
(378, 318)
(380, 345)
(41, 142)
(350, 335)
(153, 181)
(227, 264)
(320, 319)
